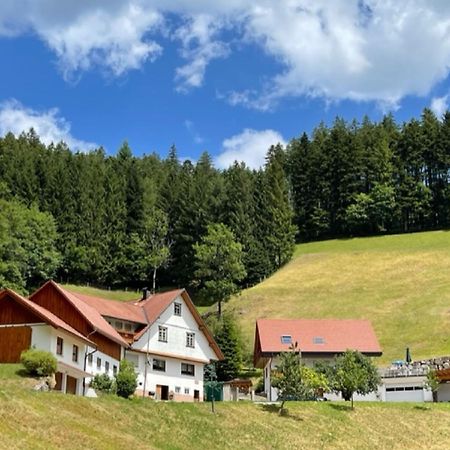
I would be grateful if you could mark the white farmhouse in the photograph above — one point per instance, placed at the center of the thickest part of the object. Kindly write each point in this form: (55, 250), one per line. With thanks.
(162, 334)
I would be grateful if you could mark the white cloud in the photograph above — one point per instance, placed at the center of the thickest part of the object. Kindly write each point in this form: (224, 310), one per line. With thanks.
(190, 127)
(49, 125)
(439, 105)
(250, 146)
(363, 50)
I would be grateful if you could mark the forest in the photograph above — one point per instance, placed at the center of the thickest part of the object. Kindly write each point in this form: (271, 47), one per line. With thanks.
(103, 219)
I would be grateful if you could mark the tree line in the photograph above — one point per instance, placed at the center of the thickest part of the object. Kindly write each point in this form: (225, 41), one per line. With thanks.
(115, 220)
(371, 177)
(120, 219)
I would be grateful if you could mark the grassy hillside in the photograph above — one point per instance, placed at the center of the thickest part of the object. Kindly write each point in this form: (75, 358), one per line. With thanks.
(34, 420)
(103, 293)
(401, 283)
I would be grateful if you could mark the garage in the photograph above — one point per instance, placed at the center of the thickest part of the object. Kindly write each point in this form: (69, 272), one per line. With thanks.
(13, 340)
(405, 394)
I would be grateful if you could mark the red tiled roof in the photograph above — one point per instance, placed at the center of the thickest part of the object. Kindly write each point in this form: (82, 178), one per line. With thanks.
(316, 336)
(144, 311)
(114, 308)
(45, 315)
(91, 315)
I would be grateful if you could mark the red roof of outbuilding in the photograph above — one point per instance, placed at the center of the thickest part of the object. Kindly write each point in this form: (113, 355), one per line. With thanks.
(44, 314)
(316, 336)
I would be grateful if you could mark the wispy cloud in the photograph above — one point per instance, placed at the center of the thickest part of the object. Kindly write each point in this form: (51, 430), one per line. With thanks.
(49, 125)
(189, 125)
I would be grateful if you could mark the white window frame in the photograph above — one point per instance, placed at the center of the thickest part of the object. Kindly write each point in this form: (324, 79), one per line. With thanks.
(190, 339)
(163, 334)
(177, 308)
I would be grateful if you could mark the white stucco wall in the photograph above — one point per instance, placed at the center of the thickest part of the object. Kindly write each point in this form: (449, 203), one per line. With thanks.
(172, 377)
(91, 367)
(177, 327)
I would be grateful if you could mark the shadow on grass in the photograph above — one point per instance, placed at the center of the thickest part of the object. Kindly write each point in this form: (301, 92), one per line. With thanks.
(275, 409)
(340, 407)
(23, 373)
(422, 408)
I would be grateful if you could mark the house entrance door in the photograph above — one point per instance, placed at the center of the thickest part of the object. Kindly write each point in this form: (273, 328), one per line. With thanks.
(162, 392)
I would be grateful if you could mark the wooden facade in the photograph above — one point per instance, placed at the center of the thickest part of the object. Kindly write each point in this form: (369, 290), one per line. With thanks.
(13, 341)
(13, 313)
(51, 299)
(106, 345)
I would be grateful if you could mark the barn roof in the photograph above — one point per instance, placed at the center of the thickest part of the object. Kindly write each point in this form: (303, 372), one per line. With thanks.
(91, 315)
(44, 314)
(314, 336)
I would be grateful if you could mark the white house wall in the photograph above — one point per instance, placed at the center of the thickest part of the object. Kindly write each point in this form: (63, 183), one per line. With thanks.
(91, 367)
(181, 386)
(177, 327)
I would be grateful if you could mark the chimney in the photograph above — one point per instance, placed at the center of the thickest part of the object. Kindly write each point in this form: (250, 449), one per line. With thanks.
(144, 293)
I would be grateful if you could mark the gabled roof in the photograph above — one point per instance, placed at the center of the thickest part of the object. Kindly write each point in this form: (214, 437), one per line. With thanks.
(91, 315)
(147, 311)
(315, 336)
(113, 308)
(46, 316)
(156, 304)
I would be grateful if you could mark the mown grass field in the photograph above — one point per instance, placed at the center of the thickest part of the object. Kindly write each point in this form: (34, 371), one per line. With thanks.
(400, 282)
(37, 420)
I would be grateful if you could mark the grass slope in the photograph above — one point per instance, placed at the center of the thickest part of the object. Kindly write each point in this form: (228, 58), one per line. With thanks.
(103, 293)
(401, 283)
(34, 420)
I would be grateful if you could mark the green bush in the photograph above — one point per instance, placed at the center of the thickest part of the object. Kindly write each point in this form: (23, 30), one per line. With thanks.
(126, 379)
(38, 362)
(103, 383)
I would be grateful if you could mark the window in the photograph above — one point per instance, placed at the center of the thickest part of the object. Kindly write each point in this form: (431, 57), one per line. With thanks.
(106, 367)
(286, 339)
(59, 346)
(128, 327)
(114, 370)
(119, 325)
(162, 334)
(75, 353)
(99, 363)
(186, 391)
(177, 389)
(318, 340)
(187, 369)
(190, 339)
(90, 359)
(159, 364)
(177, 309)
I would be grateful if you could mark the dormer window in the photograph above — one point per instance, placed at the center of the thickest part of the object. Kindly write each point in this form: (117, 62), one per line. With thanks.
(177, 309)
(318, 340)
(286, 339)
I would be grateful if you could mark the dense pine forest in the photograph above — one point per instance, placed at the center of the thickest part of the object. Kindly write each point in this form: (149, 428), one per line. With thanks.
(101, 219)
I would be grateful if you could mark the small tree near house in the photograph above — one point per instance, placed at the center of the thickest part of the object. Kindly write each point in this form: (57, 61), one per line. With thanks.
(126, 379)
(295, 381)
(353, 372)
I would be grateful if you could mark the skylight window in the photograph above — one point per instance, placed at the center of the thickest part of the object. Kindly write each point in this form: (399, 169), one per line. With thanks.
(286, 339)
(318, 340)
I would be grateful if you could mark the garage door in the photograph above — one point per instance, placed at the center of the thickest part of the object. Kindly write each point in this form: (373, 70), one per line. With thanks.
(13, 340)
(405, 394)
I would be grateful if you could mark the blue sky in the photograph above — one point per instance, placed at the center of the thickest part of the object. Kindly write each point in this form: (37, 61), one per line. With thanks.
(229, 77)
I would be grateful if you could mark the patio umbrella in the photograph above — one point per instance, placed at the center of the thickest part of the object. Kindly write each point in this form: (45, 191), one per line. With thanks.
(408, 356)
